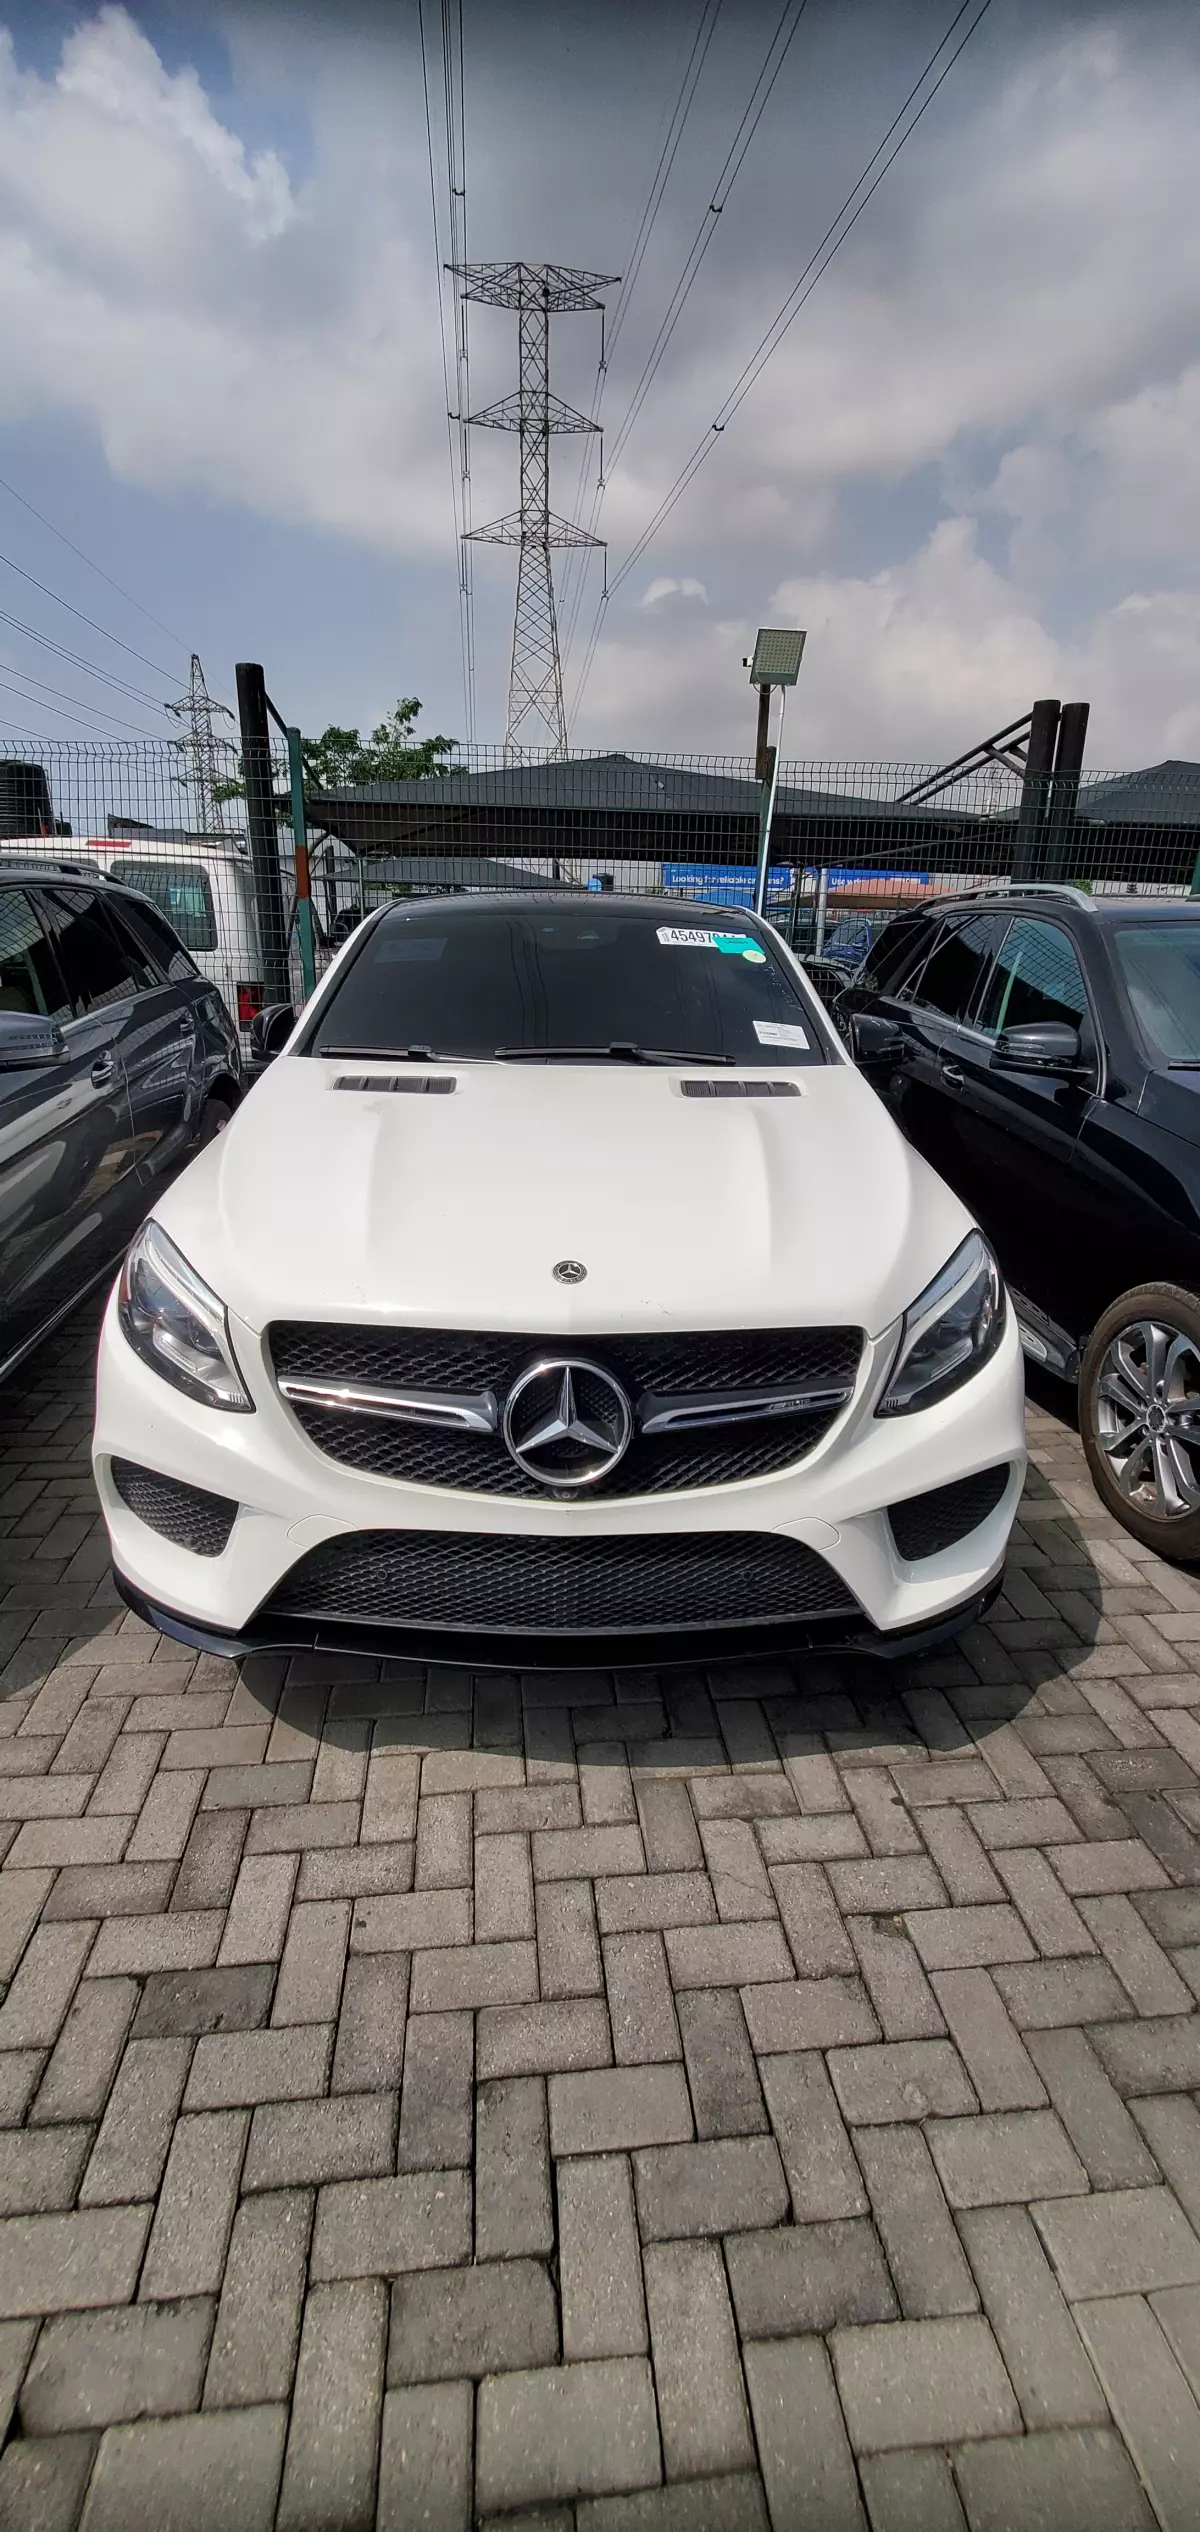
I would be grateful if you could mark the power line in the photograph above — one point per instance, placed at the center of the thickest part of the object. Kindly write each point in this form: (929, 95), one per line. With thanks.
(11, 489)
(735, 157)
(101, 726)
(817, 265)
(88, 709)
(89, 620)
(453, 384)
(671, 138)
(74, 660)
(456, 184)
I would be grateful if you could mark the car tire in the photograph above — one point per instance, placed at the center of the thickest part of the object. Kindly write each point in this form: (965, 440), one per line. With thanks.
(1139, 1416)
(214, 1117)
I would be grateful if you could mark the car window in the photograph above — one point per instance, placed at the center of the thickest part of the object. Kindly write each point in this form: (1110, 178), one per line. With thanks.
(29, 976)
(1160, 965)
(152, 933)
(1037, 976)
(98, 965)
(950, 981)
(181, 891)
(470, 980)
(903, 940)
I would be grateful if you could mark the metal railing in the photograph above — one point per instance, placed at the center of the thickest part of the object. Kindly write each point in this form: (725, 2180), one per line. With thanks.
(846, 850)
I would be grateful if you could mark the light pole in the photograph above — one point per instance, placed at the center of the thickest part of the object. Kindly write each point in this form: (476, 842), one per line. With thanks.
(778, 652)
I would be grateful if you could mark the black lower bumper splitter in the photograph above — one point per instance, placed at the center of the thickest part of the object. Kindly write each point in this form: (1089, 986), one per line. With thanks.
(657, 1649)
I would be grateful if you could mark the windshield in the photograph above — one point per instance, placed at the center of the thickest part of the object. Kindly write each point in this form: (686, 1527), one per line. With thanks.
(181, 891)
(1160, 968)
(485, 979)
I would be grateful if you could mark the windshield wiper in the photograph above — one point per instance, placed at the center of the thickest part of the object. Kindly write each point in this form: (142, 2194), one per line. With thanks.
(1184, 1064)
(391, 1054)
(619, 1053)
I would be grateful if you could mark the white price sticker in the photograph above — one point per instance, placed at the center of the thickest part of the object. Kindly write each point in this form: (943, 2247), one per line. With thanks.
(780, 1033)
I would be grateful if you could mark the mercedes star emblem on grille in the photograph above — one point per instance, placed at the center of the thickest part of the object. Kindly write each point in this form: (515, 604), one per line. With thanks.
(569, 1271)
(567, 1423)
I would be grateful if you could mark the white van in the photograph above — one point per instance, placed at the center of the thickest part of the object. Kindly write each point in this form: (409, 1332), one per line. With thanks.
(203, 884)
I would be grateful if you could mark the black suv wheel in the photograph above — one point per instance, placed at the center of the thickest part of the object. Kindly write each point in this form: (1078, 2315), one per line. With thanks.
(1139, 1415)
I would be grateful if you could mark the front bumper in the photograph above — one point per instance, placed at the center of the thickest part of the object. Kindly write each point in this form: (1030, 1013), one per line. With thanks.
(292, 1499)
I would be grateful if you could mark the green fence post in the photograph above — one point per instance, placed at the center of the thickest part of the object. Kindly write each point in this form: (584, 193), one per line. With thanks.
(304, 918)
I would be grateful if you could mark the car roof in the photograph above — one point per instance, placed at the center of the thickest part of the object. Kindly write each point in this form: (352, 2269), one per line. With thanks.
(551, 900)
(1051, 901)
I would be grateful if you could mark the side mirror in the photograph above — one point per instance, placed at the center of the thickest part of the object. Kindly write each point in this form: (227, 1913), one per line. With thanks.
(270, 1031)
(27, 1040)
(875, 1039)
(1041, 1046)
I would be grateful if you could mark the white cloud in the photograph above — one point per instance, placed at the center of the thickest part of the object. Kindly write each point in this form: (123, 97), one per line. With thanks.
(914, 663)
(660, 589)
(972, 470)
(221, 332)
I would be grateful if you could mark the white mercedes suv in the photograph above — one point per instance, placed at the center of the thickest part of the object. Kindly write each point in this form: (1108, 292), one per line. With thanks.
(562, 1293)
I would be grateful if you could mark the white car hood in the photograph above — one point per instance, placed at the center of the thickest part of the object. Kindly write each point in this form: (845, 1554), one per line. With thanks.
(453, 1210)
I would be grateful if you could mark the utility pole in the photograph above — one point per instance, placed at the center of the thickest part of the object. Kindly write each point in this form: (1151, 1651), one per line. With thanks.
(197, 707)
(537, 292)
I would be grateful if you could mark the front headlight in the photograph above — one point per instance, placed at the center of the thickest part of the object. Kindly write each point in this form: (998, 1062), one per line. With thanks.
(177, 1324)
(952, 1329)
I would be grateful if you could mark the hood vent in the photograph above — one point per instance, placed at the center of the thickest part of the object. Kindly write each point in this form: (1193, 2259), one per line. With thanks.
(741, 1089)
(443, 1082)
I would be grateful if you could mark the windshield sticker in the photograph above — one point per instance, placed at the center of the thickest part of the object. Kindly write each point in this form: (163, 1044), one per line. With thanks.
(780, 1033)
(732, 944)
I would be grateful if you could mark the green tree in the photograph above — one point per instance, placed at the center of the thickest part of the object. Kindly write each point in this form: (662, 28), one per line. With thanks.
(339, 758)
(393, 753)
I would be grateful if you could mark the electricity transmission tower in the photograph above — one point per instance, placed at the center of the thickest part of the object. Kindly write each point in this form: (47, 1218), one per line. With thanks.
(537, 292)
(201, 747)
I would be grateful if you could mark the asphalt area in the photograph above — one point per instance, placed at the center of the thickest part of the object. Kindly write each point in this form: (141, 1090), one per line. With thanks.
(764, 2095)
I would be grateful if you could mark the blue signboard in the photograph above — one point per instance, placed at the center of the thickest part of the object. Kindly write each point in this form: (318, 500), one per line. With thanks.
(722, 887)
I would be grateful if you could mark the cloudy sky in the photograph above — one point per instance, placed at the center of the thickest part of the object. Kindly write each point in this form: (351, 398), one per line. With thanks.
(972, 470)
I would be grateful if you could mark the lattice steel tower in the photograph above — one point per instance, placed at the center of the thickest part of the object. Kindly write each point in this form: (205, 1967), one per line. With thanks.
(537, 292)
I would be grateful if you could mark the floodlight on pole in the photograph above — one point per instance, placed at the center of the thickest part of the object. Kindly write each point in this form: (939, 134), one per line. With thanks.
(778, 652)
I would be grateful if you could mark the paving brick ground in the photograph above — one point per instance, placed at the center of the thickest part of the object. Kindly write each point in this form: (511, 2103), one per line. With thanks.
(688, 2101)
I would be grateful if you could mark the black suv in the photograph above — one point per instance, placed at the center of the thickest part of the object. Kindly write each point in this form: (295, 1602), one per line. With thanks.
(117, 1060)
(1042, 1049)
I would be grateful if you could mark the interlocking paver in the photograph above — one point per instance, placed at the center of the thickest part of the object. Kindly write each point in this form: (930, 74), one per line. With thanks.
(1035, 2332)
(499, 2316)
(218, 2472)
(600, 2270)
(330, 2466)
(566, 2431)
(923, 2248)
(1004, 2157)
(802, 2277)
(1075, 2479)
(731, 2186)
(922, 2382)
(258, 2318)
(379, 2228)
(702, 2413)
(362, 1944)
(806, 2460)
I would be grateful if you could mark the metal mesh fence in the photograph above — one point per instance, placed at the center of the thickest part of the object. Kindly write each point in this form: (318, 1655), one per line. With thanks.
(848, 845)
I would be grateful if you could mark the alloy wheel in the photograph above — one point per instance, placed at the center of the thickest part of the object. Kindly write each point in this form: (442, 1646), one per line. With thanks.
(1148, 1418)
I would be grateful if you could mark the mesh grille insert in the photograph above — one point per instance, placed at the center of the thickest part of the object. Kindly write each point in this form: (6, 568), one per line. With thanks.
(927, 1523)
(463, 1360)
(187, 1515)
(488, 1582)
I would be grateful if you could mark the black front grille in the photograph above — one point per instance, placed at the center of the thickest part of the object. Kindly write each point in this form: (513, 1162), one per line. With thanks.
(186, 1515)
(671, 1366)
(485, 1582)
(927, 1523)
